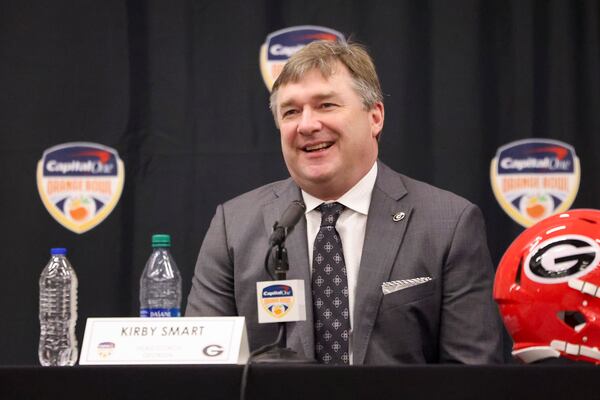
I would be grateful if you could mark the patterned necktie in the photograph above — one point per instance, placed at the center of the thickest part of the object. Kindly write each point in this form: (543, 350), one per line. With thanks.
(330, 290)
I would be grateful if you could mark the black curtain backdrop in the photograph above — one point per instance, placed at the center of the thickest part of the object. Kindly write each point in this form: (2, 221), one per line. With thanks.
(175, 87)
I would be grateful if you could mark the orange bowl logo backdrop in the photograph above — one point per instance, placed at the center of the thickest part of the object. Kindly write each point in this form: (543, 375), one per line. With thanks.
(280, 45)
(80, 183)
(535, 178)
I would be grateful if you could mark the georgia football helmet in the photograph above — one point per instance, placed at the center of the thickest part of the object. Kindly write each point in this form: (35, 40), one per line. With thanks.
(547, 287)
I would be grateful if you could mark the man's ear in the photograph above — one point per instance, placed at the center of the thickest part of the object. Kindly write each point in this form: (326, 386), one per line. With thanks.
(377, 115)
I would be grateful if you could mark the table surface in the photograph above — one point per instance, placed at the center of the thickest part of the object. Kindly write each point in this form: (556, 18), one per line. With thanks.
(278, 381)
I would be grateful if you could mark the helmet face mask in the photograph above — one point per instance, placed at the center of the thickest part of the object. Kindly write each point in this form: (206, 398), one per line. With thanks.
(547, 288)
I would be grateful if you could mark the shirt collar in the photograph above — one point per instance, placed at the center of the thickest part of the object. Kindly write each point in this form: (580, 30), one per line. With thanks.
(358, 198)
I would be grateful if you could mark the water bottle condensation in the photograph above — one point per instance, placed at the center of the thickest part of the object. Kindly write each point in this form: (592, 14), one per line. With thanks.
(58, 311)
(160, 284)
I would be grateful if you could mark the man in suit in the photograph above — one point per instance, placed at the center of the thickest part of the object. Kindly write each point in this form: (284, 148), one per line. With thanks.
(409, 276)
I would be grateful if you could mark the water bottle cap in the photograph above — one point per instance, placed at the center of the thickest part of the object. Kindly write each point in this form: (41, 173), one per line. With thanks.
(161, 240)
(58, 251)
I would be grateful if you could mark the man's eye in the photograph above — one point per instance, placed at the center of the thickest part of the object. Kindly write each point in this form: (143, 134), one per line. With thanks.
(327, 105)
(288, 113)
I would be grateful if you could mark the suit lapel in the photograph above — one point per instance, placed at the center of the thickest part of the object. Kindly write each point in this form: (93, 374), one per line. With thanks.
(299, 334)
(383, 237)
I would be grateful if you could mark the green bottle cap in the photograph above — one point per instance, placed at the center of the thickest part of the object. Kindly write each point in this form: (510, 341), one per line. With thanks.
(161, 240)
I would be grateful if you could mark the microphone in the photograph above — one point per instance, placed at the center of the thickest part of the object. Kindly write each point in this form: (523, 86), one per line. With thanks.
(286, 224)
(281, 300)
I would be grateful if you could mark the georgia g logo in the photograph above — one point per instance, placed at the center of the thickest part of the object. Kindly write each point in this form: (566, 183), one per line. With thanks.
(562, 258)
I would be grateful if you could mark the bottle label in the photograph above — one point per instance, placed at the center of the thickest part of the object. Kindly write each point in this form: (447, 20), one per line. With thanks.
(159, 312)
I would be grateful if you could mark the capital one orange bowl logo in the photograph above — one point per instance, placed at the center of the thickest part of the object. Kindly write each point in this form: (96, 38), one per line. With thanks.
(105, 349)
(535, 178)
(80, 183)
(277, 299)
(280, 45)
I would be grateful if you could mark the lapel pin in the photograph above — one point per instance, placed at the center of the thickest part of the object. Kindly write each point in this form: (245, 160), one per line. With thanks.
(398, 216)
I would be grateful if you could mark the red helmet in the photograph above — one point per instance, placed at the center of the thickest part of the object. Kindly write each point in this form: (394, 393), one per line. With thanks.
(548, 288)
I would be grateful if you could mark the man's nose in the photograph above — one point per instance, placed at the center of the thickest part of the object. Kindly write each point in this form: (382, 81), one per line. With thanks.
(309, 122)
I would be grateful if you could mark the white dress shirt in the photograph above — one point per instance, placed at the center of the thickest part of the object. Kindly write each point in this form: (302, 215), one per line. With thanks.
(351, 226)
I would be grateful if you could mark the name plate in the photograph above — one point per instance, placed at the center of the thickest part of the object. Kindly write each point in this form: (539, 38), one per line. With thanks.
(189, 340)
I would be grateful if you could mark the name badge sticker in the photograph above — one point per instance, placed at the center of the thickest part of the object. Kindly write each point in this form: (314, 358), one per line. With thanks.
(206, 340)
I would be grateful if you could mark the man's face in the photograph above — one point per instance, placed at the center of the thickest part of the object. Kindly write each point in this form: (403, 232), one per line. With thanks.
(329, 140)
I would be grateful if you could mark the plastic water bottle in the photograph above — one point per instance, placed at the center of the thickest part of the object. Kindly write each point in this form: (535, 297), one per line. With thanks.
(160, 284)
(58, 311)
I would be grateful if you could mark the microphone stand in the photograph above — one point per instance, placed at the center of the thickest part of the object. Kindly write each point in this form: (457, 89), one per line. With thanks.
(278, 352)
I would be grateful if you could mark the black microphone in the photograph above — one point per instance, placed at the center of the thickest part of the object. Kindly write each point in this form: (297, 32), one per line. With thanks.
(286, 224)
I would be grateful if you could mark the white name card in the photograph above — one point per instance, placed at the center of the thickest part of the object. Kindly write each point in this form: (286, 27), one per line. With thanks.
(189, 340)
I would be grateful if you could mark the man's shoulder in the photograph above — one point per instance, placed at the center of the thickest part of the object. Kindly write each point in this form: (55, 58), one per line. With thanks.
(429, 193)
(421, 193)
(261, 196)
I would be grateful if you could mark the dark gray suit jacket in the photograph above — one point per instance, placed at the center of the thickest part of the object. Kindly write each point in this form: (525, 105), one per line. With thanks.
(451, 318)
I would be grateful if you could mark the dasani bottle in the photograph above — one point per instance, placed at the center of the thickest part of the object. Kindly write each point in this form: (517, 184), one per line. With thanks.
(58, 311)
(160, 284)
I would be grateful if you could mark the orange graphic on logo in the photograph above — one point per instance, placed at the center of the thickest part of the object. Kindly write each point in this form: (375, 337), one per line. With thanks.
(78, 208)
(535, 209)
(537, 206)
(278, 310)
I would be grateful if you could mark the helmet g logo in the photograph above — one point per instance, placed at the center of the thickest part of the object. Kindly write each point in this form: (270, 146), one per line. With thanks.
(562, 258)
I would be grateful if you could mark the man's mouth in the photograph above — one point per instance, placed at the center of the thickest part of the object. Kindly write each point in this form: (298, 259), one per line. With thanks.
(317, 147)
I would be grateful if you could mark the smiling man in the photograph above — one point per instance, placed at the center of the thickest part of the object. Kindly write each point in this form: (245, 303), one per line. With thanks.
(395, 270)
(328, 136)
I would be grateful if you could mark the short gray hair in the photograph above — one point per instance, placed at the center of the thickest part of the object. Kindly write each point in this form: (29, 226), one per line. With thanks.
(324, 55)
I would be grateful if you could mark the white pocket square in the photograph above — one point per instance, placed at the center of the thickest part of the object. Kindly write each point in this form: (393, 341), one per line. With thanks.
(394, 286)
